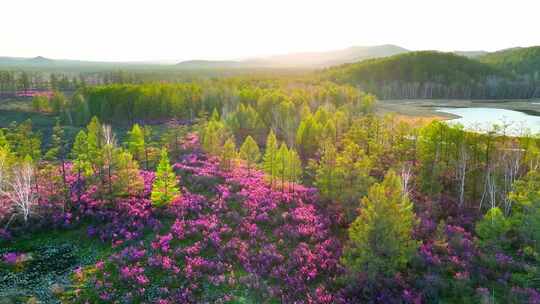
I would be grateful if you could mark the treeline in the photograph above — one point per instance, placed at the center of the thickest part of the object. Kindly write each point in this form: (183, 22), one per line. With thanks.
(429, 74)
(250, 104)
(524, 62)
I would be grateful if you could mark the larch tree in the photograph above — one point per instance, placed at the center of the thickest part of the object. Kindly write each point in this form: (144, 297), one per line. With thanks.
(308, 136)
(326, 173)
(128, 181)
(294, 167)
(282, 162)
(249, 151)
(58, 151)
(228, 154)
(94, 145)
(380, 238)
(269, 158)
(165, 186)
(136, 143)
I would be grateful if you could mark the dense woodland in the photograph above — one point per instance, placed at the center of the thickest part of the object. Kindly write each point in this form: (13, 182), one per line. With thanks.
(262, 190)
(429, 74)
(289, 187)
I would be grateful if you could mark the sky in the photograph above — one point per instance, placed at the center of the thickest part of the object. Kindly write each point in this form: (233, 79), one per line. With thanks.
(176, 30)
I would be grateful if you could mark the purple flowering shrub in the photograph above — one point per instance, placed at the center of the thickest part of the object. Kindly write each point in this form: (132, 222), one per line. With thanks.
(243, 238)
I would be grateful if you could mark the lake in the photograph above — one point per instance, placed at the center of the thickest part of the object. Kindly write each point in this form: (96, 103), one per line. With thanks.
(483, 119)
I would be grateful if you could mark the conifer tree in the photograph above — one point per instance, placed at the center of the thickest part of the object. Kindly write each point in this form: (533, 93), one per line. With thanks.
(147, 136)
(94, 144)
(164, 188)
(249, 151)
(212, 137)
(228, 154)
(58, 149)
(23, 141)
(269, 158)
(128, 181)
(294, 168)
(380, 239)
(282, 159)
(308, 136)
(79, 153)
(492, 230)
(326, 173)
(135, 142)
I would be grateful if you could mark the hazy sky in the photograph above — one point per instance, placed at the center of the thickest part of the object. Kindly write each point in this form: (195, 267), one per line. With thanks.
(133, 30)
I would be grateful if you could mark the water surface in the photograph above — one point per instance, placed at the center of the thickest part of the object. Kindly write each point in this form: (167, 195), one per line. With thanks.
(483, 120)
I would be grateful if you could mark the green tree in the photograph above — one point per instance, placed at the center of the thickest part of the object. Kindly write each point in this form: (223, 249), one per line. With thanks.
(128, 181)
(81, 159)
(135, 142)
(282, 162)
(80, 113)
(212, 136)
(95, 145)
(228, 154)
(270, 154)
(58, 151)
(164, 188)
(58, 102)
(24, 142)
(380, 239)
(326, 175)
(308, 137)
(249, 151)
(40, 104)
(294, 167)
(492, 229)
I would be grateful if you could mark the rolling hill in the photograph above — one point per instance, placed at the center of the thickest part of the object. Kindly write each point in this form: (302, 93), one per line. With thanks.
(524, 62)
(431, 74)
(415, 67)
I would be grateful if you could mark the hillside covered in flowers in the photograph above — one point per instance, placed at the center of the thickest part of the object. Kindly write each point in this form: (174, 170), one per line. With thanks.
(262, 191)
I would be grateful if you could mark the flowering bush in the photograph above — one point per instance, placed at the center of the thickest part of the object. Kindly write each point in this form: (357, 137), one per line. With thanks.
(242, 235)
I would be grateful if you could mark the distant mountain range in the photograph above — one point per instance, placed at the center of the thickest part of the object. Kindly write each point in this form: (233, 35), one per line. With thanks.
(516, 58)
(302, 60)
(43, 63)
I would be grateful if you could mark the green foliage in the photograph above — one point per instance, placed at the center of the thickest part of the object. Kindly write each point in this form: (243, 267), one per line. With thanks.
(213, 135)
(78, 110)
(249, 151)
(24, 142)
(526, 209)
(135, 142)
(270, 155)
(415, 67)
(326, 178)
(128, 182)
(58, 147)
(228, 154)
(94, 141)
(343, 177)
(79, 154)
(40, 104)
(164, 188)
(520, 61)
(288, 166)
(244, 122)
(308, 136)
(58, 102)
(380, 239)
(492, 229)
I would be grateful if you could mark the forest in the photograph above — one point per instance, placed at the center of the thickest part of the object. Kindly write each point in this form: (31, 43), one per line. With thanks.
(507, 74)
(262, 189)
